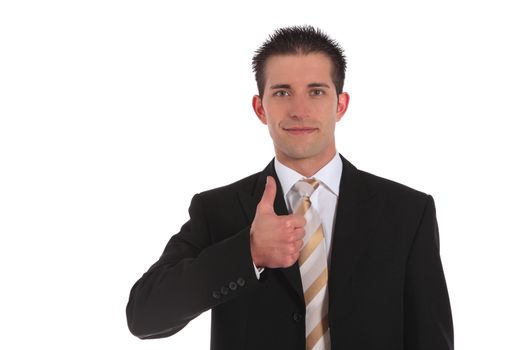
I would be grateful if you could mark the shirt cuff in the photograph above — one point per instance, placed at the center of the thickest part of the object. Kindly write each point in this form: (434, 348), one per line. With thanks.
(258, 271)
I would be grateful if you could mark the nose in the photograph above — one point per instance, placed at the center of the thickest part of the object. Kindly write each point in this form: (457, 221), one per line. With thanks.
(299, 108)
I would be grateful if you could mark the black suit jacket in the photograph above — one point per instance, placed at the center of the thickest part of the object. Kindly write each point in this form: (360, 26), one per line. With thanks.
(386, 284)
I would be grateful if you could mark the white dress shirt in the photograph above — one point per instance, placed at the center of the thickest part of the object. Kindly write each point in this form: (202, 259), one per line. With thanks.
(324, 199)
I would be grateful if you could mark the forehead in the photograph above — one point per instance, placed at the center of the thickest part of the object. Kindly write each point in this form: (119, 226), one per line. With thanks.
(298, 69)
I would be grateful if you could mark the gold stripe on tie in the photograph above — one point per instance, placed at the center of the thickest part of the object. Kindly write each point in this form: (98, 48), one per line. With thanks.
(317, 333)
(316, 286)
(303, 207)
(309, 248)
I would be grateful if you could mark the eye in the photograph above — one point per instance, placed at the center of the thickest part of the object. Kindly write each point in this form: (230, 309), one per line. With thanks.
(281, 93)
(317, 92)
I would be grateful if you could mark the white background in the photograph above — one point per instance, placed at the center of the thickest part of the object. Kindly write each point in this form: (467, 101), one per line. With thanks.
(114, 113)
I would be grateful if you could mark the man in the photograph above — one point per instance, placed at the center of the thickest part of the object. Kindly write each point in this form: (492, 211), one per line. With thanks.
(310, 253)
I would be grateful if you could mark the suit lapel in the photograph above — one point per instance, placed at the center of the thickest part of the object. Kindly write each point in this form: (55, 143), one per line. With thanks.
(352, 230)
(250, 201)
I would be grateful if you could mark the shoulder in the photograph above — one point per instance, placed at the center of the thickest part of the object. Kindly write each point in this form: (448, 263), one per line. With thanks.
(393, 197)
(226, 208)
(373, 185)
(390, 188)
(398, 203)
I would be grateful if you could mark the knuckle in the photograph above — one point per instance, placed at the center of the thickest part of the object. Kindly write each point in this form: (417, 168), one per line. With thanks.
(298, 236)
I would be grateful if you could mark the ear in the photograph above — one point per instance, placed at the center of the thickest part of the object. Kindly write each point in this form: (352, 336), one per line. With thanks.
(258, 109)
(342, 105)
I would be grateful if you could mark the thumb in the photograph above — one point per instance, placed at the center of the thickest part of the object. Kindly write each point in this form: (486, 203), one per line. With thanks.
(268, 197)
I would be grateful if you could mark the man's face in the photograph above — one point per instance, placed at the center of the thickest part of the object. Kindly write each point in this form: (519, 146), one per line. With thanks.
(300, 106)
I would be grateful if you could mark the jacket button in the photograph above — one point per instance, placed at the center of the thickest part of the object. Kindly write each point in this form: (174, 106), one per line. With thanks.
(224, 291)
(216, 294)
(297, 317)
(232, 285)
(241, 282)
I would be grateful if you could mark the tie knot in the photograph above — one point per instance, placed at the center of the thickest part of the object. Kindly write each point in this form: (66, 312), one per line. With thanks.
(306, 187)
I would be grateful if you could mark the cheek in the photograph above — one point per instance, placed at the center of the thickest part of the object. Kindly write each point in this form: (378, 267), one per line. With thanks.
(324, 110)
(329, 125)
(272, 118)
(275, 108)
(273, 125)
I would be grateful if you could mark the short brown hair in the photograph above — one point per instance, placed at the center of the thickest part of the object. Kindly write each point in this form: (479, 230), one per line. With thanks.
(300, 40)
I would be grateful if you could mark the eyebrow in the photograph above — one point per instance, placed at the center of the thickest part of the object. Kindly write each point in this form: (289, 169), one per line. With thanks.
(319, 85)
(287, 86)
(280, 86)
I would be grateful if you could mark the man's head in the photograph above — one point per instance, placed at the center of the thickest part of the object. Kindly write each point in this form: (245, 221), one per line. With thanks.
(299, 40)
(300, 100)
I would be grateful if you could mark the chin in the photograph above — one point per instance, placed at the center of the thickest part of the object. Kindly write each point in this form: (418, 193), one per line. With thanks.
(299, 154)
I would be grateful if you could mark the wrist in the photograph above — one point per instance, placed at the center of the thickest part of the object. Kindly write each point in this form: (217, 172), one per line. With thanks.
(256, 259)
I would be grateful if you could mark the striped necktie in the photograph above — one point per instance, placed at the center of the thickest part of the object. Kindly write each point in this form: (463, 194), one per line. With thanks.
(314, 268)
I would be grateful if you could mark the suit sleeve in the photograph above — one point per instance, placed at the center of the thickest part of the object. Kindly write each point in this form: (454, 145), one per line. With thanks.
(193, 275)
(428, 317)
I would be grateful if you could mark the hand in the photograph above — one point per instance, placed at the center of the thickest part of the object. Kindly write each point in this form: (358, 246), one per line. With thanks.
(275, 240)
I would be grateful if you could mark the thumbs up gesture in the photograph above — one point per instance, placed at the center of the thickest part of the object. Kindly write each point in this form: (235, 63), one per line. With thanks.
(275, 240)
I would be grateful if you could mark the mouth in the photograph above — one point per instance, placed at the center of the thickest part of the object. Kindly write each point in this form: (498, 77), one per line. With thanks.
(300, 130)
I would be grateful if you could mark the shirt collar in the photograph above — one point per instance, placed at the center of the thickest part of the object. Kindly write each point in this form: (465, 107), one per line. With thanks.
(329, 175)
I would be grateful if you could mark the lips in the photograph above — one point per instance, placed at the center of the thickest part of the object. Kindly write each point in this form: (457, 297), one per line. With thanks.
(300, 130)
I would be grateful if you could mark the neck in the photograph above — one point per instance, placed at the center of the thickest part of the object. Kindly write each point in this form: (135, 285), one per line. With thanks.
(307, 167)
